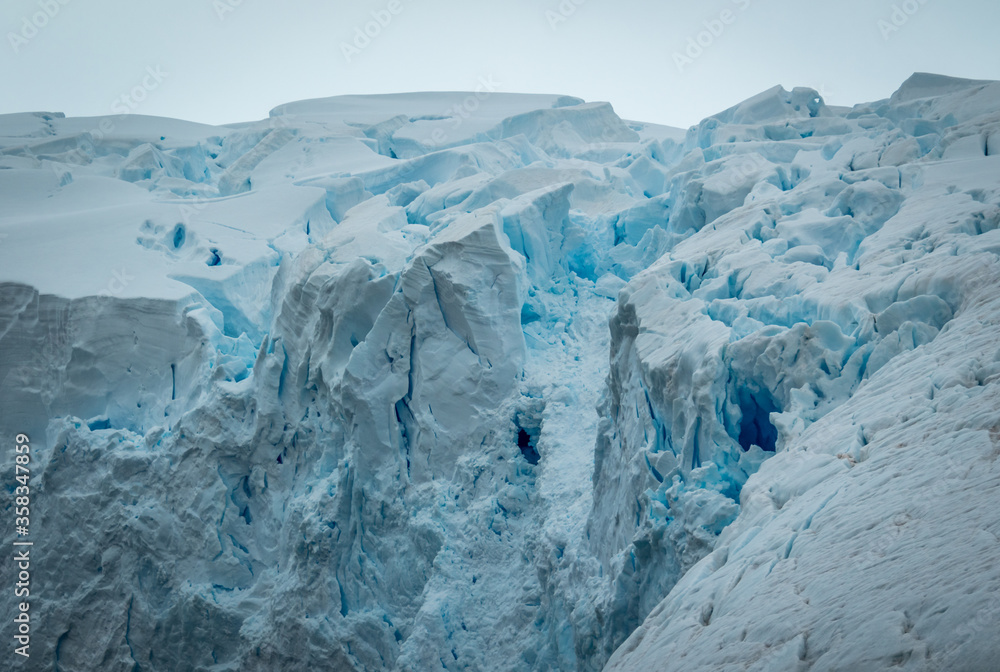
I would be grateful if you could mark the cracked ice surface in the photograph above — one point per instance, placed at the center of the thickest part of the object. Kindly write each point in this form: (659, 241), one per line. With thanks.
(370, 386)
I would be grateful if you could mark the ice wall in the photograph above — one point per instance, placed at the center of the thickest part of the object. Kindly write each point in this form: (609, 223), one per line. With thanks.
(376, 385)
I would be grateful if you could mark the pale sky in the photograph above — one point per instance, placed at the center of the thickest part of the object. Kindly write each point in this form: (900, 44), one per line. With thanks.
(220, 61)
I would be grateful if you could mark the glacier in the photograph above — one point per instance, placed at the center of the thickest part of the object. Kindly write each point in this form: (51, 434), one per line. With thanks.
(452, 381)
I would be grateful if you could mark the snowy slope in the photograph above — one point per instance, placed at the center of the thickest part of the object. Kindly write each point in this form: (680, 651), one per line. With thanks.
(481, 381)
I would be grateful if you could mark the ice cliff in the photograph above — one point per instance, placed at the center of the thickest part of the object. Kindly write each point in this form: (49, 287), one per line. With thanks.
(504, 382)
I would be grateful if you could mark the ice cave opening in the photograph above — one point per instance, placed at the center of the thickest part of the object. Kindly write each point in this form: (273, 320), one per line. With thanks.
(755, 425)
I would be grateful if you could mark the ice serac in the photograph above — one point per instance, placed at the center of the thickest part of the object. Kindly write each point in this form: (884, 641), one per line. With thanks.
(443, 356)
(481, 381)
(870, 372)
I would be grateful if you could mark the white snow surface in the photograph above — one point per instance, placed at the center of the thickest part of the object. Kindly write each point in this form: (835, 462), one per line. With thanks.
(491, 382)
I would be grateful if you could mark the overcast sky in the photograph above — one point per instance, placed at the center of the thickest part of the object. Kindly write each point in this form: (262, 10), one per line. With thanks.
(672, 62)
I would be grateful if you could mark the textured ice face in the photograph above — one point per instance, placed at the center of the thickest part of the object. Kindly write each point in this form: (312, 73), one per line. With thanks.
(377, 384)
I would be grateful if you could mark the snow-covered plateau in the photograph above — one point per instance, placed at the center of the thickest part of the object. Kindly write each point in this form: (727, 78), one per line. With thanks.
(503, 382)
